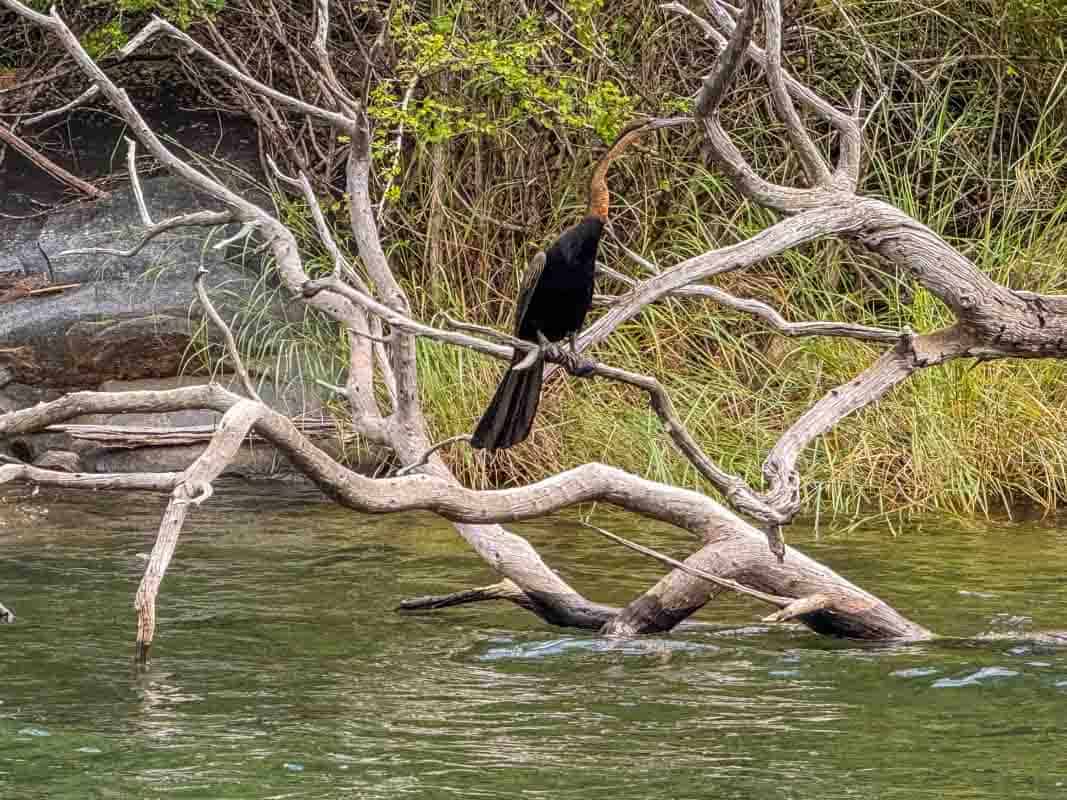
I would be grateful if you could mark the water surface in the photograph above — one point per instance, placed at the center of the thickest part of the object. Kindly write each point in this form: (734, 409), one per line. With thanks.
(280, 670)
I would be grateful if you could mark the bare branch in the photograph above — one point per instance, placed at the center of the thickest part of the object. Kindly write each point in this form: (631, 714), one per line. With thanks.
(193, 219)
(9, 137)
(195, 488)
(246, 230)
(502, 590)
(365, 231)
(135, 179)
(322, 55)
(812, 160)
(722, 583)
(425, 458)
(723, 151)
(80, 100)
(834, 218)
(724, 72)
(762, 310)
(844, 124)
(220, 323)
(893, 367)
(142, 481)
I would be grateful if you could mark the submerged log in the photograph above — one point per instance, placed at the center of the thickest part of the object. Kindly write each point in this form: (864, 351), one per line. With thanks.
(835, 606)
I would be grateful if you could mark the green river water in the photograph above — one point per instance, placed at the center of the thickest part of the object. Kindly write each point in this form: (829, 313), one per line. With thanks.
(281, 671)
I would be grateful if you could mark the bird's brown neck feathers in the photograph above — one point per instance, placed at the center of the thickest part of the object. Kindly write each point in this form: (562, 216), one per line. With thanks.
(598, 184)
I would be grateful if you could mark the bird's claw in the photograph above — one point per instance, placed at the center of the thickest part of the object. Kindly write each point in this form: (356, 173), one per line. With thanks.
(577, 364)
(580, 365)
(569, 358)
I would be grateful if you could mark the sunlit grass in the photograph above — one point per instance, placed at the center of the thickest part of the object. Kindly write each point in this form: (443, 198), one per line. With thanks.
(943, 145)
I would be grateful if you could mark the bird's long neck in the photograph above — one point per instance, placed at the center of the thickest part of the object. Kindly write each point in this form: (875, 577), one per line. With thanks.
(598, 184)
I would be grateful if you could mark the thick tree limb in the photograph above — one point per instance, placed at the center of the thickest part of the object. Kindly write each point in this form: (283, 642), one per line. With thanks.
(475, 509)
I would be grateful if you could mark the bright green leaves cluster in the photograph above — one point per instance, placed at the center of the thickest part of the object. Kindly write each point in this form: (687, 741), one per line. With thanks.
(123, 16)
(104, 39)
(475, 79)
(582, 12)
(181, 12)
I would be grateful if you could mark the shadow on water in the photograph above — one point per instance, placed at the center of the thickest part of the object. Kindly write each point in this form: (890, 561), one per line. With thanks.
(281, 670)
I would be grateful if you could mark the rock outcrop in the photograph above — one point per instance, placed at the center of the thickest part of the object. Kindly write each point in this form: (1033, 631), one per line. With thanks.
(118, 323)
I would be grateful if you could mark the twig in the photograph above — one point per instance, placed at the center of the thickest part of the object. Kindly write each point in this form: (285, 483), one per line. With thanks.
(425, 458)
(485, 330)
(502, 590)
(81, 99)
(724, 583)
(231, 345)
(193, 219)
(246, 230)
(135, 180)
(761, 310)
(398, 140)
(54, 289)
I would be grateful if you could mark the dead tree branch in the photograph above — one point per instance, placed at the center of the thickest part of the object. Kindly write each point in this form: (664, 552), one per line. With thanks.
(8, 136)
(992, 321)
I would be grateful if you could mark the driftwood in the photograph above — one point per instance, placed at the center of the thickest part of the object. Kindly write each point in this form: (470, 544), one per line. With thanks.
(366, 300)
(123, 437)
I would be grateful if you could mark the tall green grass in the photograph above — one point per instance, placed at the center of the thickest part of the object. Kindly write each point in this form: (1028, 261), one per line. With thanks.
(968, 138)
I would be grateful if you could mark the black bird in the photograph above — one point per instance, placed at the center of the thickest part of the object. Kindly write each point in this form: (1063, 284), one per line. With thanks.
(555, 296)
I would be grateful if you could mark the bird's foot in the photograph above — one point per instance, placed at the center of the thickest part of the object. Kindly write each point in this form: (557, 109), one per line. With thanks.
(571, 360)
(567, 357)
(545, 351)
(577, 364)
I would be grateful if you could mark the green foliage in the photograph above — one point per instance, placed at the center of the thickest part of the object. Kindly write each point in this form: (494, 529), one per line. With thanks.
(120, 17)
(102, 40)
(491, 81)
(181, 12)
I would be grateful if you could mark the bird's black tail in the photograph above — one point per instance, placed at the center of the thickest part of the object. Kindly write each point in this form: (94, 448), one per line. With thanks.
(511, 412)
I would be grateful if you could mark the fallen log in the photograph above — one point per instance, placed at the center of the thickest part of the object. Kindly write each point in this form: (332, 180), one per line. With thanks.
(135, 436)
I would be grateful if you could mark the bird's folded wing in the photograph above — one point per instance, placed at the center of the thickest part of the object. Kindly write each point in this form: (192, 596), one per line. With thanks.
(529, 283)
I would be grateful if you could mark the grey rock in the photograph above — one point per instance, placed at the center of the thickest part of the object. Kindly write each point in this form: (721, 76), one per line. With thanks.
(19, 254)
(124, 317)
(115, 223)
